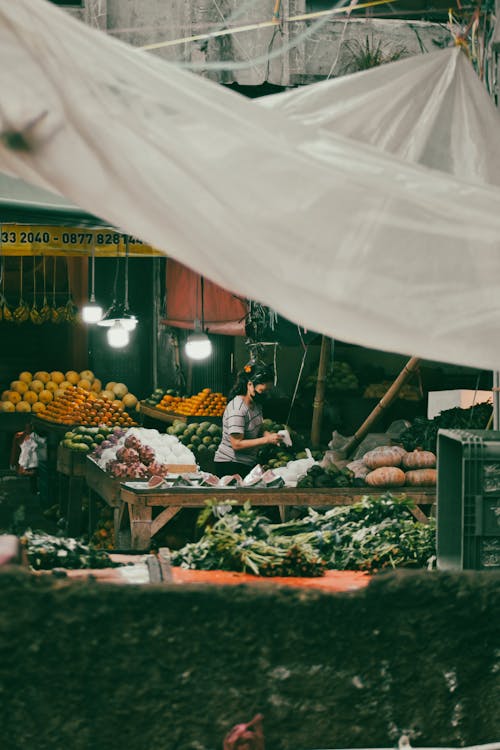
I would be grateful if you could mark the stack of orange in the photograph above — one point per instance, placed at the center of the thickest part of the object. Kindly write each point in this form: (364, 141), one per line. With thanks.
(79, 406)
(204, 404)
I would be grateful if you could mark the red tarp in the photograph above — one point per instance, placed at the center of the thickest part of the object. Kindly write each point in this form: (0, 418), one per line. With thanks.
(224, 312)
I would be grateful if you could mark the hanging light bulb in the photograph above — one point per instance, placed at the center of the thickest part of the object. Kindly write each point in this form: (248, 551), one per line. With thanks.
(92, 312)
(198, 345)
(117, 335)
(119, 311)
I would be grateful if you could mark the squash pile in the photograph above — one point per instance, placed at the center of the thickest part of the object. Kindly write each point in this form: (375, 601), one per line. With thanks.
(203, 404)
(392, 466)
(35, 392)
(76, 405)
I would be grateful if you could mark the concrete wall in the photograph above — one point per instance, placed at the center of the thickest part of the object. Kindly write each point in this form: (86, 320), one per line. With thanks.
(320, 51)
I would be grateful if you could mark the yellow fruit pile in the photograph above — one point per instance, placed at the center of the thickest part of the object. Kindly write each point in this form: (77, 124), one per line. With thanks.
(204, 404)
(33, 393)
(80, 406)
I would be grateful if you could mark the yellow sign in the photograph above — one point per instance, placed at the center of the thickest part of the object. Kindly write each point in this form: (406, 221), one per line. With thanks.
(24, 239)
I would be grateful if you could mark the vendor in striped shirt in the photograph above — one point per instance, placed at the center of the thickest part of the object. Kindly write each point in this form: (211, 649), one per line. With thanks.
(242, 433)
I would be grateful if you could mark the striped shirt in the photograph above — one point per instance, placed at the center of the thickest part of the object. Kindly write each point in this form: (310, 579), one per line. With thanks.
(239, 419)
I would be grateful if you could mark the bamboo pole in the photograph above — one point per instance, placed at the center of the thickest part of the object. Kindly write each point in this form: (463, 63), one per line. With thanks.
(384, 402)
(319, 396)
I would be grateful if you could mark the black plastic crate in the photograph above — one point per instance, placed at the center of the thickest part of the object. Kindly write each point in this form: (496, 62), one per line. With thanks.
(468, 507)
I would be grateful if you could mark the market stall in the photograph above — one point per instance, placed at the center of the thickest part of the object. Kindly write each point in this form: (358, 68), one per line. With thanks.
(141, 501)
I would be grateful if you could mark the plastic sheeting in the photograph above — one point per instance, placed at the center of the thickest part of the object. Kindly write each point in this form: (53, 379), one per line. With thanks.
(431, 109)
(331, 233)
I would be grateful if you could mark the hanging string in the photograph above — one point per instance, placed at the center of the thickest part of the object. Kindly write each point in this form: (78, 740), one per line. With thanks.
(305, 348)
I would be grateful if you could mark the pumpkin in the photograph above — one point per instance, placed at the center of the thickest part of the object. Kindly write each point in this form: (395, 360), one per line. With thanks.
(387, 455)
(51, 386)
(129, 400)
(421, 478)
(120, 390)
(26, 376)
(87, 375)
(5, 395)
(72, 376)
(42, 375)
(110, 386)
(386, 476)
(38, 407)
(30, 397)
(109, 395)
(23, 406)
(45, 397)
(19, 385)
(37, 386)
(8, 406)
(85, 384)
(419, 460)
(65, 384)
(57, 377)
(97, 386)
(14, 397)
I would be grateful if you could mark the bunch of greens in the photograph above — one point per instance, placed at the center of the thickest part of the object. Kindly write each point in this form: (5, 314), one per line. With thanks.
(241, 542)
(46, 552)
(423, 432)
(378, 532)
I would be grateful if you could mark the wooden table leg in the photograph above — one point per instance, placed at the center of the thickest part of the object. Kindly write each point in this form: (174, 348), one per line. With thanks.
(140, 526)
(117, 518)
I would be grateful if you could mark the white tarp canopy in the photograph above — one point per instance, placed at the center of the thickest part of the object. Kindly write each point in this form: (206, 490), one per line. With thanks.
(331, 233)
(431, 110)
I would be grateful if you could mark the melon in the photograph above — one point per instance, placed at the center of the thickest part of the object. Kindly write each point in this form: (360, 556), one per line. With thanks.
(97, 386)
(5, 395)
(38, 407)
(129, 400)
(8, 406)
(23, 406)
(51, 386)
(19, 385)
(65, 384)
(73, 377)
(37, 386)
(42, 375)
(87, 375)
(45, 397)
(110, 386)
(56, 376)
(118, 404)
(26, 376)
(14, 397)
(30, 397)
(120, 390)
(58, 393)
(85, 384)
(107, 394)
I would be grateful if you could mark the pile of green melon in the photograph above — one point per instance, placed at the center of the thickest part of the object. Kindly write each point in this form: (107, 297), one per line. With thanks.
(86, 439)
(202, 438)
(157, 395)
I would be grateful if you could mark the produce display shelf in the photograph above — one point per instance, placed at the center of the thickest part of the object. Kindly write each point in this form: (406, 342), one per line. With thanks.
(141, 502)
(170, 417)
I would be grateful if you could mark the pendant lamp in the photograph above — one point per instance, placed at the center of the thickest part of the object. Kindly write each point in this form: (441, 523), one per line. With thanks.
(198, 345)
(92, 312)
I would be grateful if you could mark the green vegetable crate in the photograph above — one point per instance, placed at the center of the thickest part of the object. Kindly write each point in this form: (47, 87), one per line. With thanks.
(468, 507)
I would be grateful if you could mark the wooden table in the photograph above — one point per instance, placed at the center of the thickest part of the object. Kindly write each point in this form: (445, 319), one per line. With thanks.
(142, 501)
